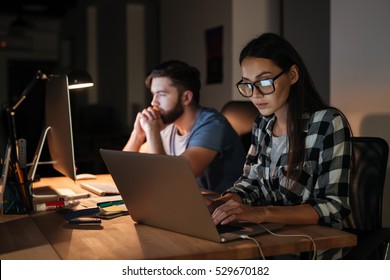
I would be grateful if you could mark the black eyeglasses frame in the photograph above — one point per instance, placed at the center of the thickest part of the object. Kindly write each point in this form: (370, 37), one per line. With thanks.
(253, 85)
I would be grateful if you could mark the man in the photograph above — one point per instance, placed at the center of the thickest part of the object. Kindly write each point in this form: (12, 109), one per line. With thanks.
(175, 124)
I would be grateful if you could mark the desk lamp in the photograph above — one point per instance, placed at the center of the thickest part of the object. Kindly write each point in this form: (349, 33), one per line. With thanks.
(77, 79)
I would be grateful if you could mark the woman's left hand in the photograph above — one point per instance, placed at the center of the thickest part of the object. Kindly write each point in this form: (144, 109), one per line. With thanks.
(233, 210)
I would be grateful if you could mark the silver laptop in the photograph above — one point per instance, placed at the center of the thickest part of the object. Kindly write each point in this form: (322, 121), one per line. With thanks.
(161, 191)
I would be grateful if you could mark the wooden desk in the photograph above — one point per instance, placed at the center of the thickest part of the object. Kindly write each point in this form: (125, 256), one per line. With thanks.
(20, 239)
(121, 238)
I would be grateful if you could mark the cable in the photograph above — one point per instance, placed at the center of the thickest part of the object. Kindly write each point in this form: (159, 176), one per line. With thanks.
(257, 244)
(294, 235)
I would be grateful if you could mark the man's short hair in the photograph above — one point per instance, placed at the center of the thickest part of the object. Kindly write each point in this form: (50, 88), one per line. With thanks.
(184, 77)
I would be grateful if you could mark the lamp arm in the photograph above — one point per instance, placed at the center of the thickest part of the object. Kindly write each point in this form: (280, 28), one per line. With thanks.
(38, 76)
(11, 113)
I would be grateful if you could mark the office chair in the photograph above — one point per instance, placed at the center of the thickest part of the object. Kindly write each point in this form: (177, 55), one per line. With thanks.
(241, 115)
(366, 198)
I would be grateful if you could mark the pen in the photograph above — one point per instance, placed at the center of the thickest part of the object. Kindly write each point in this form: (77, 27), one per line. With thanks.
(78, 221)
(20, 178)
(50, 205)
(109, 203)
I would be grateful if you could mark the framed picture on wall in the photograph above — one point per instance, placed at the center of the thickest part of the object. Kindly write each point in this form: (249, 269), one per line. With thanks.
(214, 55)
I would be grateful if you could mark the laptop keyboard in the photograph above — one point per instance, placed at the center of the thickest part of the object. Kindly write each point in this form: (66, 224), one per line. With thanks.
(227, 228)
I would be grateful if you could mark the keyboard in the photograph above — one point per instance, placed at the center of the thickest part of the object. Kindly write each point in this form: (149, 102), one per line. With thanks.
(227, 228)
(100, 188)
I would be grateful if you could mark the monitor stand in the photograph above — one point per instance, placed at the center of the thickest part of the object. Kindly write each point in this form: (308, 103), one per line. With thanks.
(37, 155)
(50, 194)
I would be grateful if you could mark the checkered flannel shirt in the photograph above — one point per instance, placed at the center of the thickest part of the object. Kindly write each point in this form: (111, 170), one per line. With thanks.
(324, 180)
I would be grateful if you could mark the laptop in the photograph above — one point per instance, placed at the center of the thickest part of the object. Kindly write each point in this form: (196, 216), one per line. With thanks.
(161, 191)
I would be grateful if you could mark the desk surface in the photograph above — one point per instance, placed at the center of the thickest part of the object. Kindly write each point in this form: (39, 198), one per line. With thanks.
(48, 236)
(20, 239)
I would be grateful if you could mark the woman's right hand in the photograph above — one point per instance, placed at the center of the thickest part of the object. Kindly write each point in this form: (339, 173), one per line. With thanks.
(233, 210)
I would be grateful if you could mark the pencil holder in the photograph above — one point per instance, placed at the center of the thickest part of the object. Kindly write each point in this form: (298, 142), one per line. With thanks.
(16, 191)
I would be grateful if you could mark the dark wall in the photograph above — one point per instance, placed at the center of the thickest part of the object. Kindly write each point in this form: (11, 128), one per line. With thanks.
(111, 27)
(306, 25)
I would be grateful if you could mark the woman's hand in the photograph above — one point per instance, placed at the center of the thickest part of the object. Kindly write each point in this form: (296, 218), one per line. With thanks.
(233, 210)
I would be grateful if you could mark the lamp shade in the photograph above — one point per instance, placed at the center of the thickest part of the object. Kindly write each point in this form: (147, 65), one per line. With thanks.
(79, 79)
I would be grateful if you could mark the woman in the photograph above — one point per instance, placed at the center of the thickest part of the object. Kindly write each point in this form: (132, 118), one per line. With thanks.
(297, 168)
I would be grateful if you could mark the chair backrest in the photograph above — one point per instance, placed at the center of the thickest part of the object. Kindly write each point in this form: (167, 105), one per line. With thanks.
(241, 115)
(367, 183)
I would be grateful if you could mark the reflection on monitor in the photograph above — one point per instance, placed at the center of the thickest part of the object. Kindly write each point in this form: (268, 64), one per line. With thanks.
(58, 129)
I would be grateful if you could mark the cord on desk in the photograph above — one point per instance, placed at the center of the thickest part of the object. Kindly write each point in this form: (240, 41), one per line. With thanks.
(294, 235)
(257, 244)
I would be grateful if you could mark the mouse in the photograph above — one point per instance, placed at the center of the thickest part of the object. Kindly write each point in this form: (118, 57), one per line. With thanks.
(84, 176)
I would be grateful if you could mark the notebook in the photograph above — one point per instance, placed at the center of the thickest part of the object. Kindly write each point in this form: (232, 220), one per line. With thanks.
(161, 191)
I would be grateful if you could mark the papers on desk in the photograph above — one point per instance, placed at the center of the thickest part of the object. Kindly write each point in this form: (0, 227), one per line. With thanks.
(44, 194)
(100, 188)
(108, 210)
(67, 201)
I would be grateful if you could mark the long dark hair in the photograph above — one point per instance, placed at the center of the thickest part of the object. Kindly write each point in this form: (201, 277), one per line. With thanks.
(303, 97)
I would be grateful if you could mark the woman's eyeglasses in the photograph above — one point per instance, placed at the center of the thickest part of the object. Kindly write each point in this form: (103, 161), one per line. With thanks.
(265, 87)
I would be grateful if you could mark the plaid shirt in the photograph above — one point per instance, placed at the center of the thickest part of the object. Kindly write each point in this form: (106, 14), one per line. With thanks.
(324, 180)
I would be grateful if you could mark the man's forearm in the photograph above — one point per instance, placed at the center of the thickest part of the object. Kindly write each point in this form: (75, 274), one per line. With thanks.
(155, 145)
(135, 142)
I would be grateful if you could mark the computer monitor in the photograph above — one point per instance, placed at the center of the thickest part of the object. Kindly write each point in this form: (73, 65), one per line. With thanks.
(58, 129)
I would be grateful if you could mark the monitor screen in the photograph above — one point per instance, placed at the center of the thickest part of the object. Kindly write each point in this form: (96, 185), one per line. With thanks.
(58, 129)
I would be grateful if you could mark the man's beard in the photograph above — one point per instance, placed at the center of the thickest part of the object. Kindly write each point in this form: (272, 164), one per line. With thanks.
(172, 115)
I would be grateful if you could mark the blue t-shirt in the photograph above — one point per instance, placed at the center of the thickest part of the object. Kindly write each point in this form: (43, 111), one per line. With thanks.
(212, 131)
